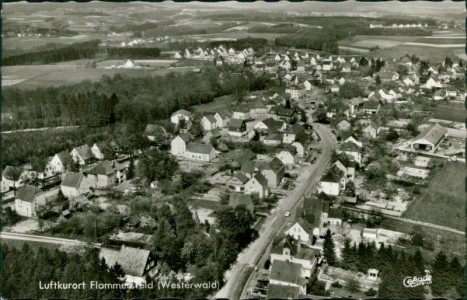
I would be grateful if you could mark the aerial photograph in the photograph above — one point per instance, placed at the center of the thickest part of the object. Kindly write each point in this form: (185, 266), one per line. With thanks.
(233, 150)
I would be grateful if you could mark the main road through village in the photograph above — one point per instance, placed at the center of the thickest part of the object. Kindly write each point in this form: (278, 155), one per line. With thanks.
(249, 257)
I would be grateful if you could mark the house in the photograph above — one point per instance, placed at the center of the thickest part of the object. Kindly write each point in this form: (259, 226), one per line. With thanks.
(299, 148)
(200, 152)
(343, 125)
(295, 92)
(429, 139)
(58, 163)
(106, 173)
(98, 150)
(422, 161)
(347, 166)
(451, 93)
(432, 83)
(210, 135)
(333, 182)
(279, 291)
(237, 182)
(136, 263)
(237, 199)
(327, 66)
(288, 156)
(370, 107)
(292, 132)
(346, 68)
(301, 66)
(82, 154)
(289, 249)
(181, 114)
(178, 144)
(272, 139)
(280, 112)
(241, 112)
(270, 125)
(273, 171)
(351, 139)
(334, 88)
(74, 184)
(28, 200)
(248, 168)
(258, 184)
(153, 131)
(352, 150)
(287, 273)
(208, 122)
(301, 231)
(222, 119)
(370, 131)
(334, 217)
(237, 127)
(11, 177)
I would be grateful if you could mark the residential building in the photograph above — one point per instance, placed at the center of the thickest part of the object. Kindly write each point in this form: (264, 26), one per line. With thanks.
(208, 123)
(272, 139)
(270, 125)
(136, 263)
(273, 171)
(287, 273)
(237, 199)
(74, 184)
(106, 173)
(11, 177)
(343, 125)
(200, 152)
(28, 200)
(352, 150)
(370, 107)
(370, 131)
(222, 119)
(300, 149)
(82, 154)
(288, 156)
(237, 127)
(301, 231)
(58, 163)
(290, 134)
(258, 184)
(179, 115)
(178, 144)
(333, 182)
(98, 150)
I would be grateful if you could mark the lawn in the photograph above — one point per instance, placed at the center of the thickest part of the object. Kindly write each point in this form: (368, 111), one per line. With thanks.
(454, 112)
(218, 104)
(443, 201)
(434, 55)
(199, 203)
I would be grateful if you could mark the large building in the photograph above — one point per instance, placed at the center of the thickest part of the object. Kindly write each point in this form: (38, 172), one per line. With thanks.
(429, 139)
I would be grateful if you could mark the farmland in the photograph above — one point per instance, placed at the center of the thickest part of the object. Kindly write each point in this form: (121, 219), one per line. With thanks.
(445, 191)
(451, 112)
(30, 77)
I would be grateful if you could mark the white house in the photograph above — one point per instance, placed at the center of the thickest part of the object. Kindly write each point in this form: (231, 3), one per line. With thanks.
(208, 122)
(429, 139)
(74, 184)
(258, 184)
(97, 150)
(82, 154)
(28, 200)
(58, 163)
(301, 231)
(286, 274)
(352, 150)
(179, 115)
(332, 183)
(300, 148)
(222, 119)
(200, 152)
(288, 156)
(178, 144)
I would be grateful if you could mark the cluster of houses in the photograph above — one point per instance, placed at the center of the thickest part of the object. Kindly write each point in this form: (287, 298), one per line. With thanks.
(96, 172)
(219, 55)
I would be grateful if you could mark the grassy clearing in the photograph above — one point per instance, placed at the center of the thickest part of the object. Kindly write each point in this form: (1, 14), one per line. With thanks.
(441, 41)
(434, 55)
(218, 104)
(454, 113)
(199, 203)
(443, 201)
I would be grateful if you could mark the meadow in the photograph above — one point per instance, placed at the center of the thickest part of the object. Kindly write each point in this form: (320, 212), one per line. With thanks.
(443, 201)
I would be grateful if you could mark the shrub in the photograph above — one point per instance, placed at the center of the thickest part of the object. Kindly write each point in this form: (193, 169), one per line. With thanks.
(336, 284)
(371, 292)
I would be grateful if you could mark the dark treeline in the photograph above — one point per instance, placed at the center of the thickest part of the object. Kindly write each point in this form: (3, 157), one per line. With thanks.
(447, 273)
(240, 44)
(84, 50)
(303, 41)
(133, 52)
(279, 28)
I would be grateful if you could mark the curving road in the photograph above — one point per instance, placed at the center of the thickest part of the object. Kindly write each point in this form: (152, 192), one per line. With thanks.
(276, 223)
(43, 239)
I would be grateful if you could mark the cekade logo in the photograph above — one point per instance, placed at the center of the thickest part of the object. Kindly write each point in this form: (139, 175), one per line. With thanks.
(414, 281)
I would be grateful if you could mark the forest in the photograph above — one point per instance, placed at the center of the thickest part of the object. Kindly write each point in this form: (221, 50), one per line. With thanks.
(84, 50)
(133, 52)
(304, 41)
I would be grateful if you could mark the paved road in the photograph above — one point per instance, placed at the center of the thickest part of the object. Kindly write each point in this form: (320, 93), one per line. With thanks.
(250, 256)
(43, 239)
(38, 129)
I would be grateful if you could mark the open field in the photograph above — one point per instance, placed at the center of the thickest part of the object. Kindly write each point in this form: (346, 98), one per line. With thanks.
(235, 35)
(220, 103)
(434, 55)
(30, 77)
(441, 40)
(453, 112)
(443, 201)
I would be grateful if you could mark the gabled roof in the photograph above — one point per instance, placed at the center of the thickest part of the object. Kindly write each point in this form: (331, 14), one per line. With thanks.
(182, 112)
(295, 128)
(64, 157)
(185, 137)
(305, 225)
(274, 136)
(106, 168)
(286, 272)
(280, 110)
(236, 123)
(335, 213)
(279, 291)
(245, 155)
(370, 105)
(333, 175)
(199, 148)
(261, 179)
(291, 150)
(433, 134)
(28, 193)
(241, 177)
(9, 172)
(72, 179)
(343, 123)
(132, 260)
(272, 124)
(84, 151)
(349, 147)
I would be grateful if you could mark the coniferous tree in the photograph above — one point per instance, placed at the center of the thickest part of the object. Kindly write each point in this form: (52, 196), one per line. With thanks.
(329, 248)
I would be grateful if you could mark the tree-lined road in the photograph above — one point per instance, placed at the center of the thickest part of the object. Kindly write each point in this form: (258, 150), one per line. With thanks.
(42, 239)
(277, 222)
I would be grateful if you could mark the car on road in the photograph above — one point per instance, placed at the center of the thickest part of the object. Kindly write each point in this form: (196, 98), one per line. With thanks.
(287, 213)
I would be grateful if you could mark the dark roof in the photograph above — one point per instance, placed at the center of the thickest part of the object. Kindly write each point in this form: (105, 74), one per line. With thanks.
(64, 157)
(210, 118)
(106, 167)
(274, 136)
(84, 151)
(237, 199)
(132, 260)
(305, 225)
(280, 110)
(236, 123)
(185, 137)
(72, 179)
(242, 177)
(274, 165)
(335, 213)
(28, 193)
(245, 155)
(333, 175)
(9, 172)
(199, 148)
(279, 291)
(286, 272)
(295, 128)
(291, 150)
(248, 166)
(272, 124)
(261, 179)
(215, 133)
(370, 105)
